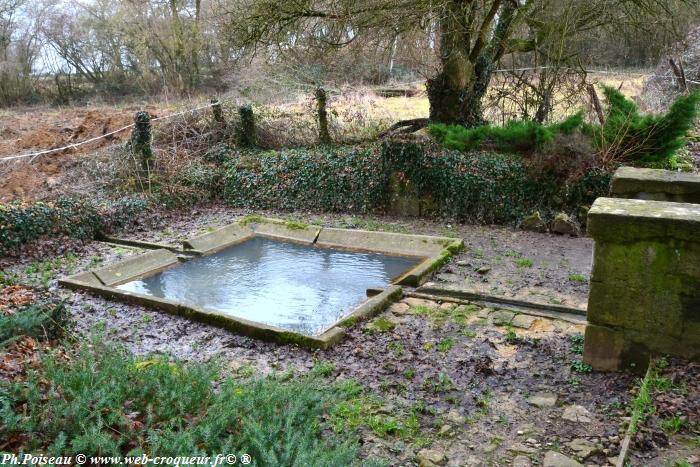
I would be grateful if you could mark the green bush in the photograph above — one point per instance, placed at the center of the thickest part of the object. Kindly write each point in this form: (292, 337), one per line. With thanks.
(516, 136)
(348, 178)
(22, 223)
(107, 402)
(630, 137)
(37, 320)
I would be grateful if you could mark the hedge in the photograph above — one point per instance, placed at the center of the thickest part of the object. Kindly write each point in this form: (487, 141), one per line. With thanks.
(22, 223)
(475, 187)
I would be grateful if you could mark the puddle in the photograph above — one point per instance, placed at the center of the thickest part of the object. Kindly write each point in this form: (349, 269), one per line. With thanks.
(300, 288)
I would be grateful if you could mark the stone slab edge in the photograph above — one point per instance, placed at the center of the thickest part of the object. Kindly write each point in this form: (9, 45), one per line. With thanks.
(631, 181)
(372, 307)
(139, 244)
(275, 230)
(383, 242)
(234, 324)
(219, 239)
(135, 267)
(620, 220)
(471, 295)
(419, 274)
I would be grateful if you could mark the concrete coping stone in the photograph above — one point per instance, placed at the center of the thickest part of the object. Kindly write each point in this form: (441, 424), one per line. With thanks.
(137, 266)
(634, 181)
(623, 220)
(305, 235)
(219, 239)
(384, 242)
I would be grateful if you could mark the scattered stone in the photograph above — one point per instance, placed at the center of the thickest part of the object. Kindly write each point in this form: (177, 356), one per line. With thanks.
(523, 321)
(455, 417)
(489, 448)
(562, 224)
(526, 429)
(531, 441)
(520, 448)
(430, 457)
(400, 309)
(583, 448)
(534, 223)
(502, 317)
(483, 270)
(521, 461)
(445, 430)
(484, 313)
(557, 459)
(415, 302)
(577, 413)
(448, 306)
(543, 399)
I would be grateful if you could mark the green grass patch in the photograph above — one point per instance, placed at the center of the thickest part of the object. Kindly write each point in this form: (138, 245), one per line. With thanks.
(581, 279)
(380, 324)
(523, 263)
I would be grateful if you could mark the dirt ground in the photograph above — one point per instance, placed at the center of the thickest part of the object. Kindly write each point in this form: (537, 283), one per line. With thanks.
(484, 387)
(33, 130)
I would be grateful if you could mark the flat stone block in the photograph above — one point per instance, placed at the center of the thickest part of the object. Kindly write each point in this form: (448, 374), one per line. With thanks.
(281, 231)
(625, 220)
(657, 185)
(136, 266)
(608, 349)
(219, 239)
(523, 321)
(386, 242)
(501, 317)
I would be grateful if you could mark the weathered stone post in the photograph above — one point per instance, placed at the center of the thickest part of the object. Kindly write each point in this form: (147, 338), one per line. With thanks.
(645, 285)
(656, 185)
(141, 143)
(324, 135)
(246, 131)
(218, 112)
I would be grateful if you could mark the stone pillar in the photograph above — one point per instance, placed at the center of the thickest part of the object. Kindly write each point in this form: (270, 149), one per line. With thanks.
(645, 285)
(656, 185)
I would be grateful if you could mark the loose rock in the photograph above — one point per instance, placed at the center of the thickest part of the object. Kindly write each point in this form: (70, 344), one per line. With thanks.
(562, 224)
(534, 223)
(430, 457)
(543, 399)
(523, 321)
(577, 413)
(557, 459)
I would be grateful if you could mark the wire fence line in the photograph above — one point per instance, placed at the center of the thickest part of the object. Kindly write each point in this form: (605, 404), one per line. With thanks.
(34, 155)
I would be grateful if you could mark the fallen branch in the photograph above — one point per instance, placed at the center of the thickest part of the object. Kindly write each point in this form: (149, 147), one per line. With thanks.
(406, 126)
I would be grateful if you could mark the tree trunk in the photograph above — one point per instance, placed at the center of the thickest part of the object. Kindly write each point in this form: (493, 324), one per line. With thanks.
(456, 93)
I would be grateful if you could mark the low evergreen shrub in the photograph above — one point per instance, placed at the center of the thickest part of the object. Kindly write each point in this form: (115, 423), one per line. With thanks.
(516, 136)
(629, 137)
(103, 401)
(37, 320)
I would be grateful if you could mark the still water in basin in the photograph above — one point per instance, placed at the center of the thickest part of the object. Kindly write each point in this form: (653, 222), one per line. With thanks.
(297, 287)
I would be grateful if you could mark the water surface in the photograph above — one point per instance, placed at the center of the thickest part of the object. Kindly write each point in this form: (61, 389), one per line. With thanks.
(301, 288)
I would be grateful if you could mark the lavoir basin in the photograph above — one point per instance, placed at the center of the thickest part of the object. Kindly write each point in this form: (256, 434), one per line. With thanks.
(274, 281)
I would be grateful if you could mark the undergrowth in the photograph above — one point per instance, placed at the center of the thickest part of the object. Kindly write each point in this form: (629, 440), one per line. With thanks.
(100, 400)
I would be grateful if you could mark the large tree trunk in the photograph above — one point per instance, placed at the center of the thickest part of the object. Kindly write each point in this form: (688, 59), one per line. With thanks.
(456, 93)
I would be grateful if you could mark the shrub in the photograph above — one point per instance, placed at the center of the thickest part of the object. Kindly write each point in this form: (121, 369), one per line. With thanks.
(21, 223)
(104, 401)
(37, 320)
(347, 178)
(630, 137)
(516, 136)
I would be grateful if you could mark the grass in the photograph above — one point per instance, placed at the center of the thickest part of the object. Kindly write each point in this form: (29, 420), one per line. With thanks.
(511, 337)
(36, 320)
(100, 400)
(523, 263)
(581, 279)
(445, 345)
(379, 325)
(371, 225)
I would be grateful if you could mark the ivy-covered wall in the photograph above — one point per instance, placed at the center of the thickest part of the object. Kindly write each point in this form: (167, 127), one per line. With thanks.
(23, 223)
(474, 187)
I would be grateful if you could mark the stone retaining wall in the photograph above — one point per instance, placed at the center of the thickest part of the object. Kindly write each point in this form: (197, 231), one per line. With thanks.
(656, 185)
(645, 284)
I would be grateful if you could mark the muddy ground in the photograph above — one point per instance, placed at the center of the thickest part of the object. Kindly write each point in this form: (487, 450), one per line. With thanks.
(484, 387)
